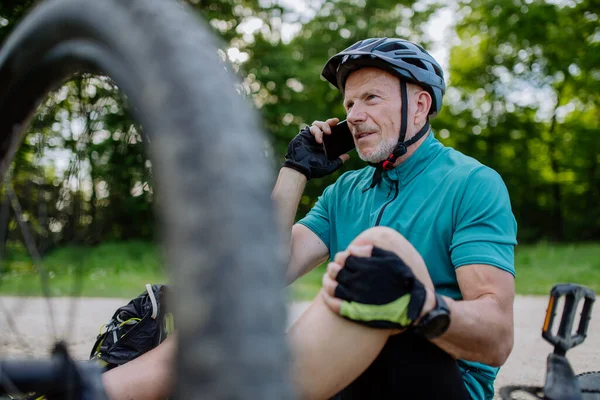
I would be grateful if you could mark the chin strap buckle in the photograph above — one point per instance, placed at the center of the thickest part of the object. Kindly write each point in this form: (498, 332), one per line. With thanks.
(387, 165)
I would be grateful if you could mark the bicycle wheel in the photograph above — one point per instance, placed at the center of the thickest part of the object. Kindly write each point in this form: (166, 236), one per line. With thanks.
(590, 385)
(588, 381)
(205, 145)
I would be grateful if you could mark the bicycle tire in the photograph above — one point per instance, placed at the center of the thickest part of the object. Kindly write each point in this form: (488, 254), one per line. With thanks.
(588, 381)
(590, 385)
(218, 222)
(534, 392)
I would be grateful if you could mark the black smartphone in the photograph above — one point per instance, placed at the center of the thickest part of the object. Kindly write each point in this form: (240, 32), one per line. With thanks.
(339, 142)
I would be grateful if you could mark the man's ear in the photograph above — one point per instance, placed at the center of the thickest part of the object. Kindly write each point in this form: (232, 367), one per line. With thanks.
(422, 106)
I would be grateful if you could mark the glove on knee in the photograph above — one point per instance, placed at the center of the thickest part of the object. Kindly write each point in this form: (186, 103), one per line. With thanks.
(380, 291)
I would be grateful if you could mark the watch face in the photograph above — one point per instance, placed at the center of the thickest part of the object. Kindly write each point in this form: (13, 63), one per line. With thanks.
(437, 321)
(437, 325)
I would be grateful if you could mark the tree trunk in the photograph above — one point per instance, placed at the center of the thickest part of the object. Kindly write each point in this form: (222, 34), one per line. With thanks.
(557, 214)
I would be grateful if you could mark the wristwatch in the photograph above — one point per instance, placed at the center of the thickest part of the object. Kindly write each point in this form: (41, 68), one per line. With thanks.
(435, 322)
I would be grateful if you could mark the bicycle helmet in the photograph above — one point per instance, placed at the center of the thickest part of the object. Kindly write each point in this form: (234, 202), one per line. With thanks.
(405, 59)
(408, 61)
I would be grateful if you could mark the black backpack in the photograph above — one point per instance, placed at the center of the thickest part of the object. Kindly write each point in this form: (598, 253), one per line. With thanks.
(134, 329)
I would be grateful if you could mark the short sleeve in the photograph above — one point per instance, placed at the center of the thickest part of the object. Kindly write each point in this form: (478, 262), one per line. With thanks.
(318, 218)
(485, 228)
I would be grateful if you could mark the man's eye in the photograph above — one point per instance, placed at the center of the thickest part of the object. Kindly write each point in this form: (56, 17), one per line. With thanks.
(371, 97)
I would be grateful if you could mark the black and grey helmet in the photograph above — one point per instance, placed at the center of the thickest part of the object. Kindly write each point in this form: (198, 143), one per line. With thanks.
(405, 59)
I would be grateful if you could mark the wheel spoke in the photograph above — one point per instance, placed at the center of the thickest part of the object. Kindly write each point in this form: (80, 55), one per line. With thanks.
(9, 385)
(35, 255)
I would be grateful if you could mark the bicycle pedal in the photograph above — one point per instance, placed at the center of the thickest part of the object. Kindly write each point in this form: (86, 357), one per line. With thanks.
(573, 294)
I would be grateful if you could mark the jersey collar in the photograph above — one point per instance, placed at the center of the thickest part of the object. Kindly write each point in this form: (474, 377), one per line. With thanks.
(416, 163)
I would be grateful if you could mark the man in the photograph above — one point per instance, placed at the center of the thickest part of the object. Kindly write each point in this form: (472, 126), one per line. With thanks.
(436, 213)
(455, 211)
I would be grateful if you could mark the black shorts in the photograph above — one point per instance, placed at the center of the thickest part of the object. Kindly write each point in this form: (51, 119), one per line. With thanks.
(409, 367)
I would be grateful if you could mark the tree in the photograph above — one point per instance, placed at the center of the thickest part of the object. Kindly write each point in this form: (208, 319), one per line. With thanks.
(524, 99)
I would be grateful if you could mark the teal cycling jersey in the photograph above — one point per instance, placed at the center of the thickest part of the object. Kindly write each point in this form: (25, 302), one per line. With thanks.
(454, 210)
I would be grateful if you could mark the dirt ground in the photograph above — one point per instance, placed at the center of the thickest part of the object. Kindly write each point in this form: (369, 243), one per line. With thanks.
(80, 325)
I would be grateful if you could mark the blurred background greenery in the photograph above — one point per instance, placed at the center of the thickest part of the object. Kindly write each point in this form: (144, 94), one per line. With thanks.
(523, 97)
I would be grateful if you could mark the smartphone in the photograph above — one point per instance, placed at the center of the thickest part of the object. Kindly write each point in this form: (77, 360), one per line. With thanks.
(339, 142)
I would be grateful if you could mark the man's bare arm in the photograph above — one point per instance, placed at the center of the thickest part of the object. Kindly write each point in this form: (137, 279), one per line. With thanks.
(308, 252)
(482, 326)
(148, 377)
(306, 249)
(286, 194)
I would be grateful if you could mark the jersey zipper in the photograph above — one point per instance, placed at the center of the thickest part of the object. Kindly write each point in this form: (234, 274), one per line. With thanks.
(387, 204)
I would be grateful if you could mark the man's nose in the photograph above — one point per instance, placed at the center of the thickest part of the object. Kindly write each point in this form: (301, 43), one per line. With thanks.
(356, 115)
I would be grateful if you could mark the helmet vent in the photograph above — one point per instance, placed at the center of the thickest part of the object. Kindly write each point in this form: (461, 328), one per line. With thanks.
(416, 62)
(391, 46)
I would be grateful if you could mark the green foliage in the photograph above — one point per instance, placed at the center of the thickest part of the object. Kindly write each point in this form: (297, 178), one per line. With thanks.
(522, 98)
(525, 84)
(81, 174)
(11, 12)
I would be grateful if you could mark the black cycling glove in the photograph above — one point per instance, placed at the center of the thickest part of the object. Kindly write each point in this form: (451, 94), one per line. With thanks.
(308, 157)
(380, 291)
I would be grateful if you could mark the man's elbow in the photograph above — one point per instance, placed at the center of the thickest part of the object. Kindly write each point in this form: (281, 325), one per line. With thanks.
(504, 337)
(502, 350)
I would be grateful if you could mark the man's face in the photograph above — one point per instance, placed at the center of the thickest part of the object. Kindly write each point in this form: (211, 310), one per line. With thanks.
(372, 101)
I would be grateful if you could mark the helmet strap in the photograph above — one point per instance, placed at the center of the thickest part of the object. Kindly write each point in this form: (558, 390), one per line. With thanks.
(402, 146)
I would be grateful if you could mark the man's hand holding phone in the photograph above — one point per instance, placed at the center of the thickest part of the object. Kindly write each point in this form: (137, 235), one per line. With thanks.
(306, 153)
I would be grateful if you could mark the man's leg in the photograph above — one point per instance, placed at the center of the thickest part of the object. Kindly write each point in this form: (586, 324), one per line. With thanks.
(408, 366)
(328, 352)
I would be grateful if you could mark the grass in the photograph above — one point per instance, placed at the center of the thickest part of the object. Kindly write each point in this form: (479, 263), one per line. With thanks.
(122, 269)
(541, 266)
(308, 285)
(108, 270)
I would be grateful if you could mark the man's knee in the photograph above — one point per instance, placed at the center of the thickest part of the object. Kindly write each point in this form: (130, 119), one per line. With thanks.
(392, 240)
(381, 236)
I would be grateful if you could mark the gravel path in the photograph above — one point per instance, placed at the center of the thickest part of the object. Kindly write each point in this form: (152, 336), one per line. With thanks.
(526, 364)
